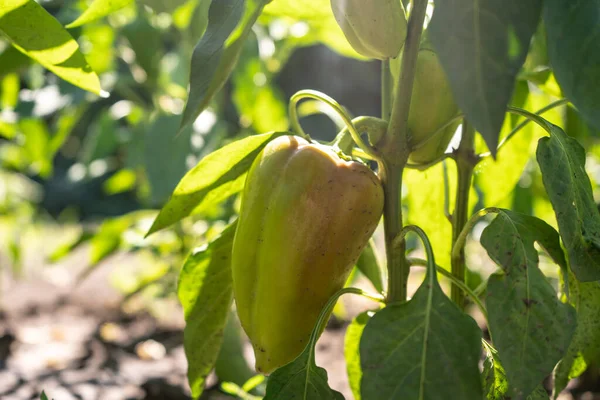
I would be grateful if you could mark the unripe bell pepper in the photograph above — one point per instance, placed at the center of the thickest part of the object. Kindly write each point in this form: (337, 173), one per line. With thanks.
(305, 217)
(432, 105)
(374, 28)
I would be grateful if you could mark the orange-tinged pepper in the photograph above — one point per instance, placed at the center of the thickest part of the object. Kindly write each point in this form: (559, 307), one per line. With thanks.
(306, 215)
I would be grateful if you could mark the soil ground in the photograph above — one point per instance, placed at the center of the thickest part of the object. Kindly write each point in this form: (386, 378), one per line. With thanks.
(79, 342)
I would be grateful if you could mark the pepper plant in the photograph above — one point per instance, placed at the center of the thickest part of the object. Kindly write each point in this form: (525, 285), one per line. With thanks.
(461, 83)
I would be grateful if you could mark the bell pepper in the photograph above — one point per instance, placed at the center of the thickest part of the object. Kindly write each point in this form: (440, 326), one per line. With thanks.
(375, 29)
(306, 215)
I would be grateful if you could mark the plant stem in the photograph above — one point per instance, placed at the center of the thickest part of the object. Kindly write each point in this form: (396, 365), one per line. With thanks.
(397, 134)
(466, 160)
(397, 266)
(395, 150)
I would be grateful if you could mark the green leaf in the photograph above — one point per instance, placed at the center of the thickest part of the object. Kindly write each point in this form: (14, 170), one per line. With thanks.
(65, 249)
(101, 140)
(577, 127)
(423, 349)
(539, 393)
(530, 327)
(369, 265)
(205, 292)
(12, 60)
(231, 365)
(199, 20)
(562, 162)
(573, 29)
(217, 174)
(210, 69)
(36, 33)
(482, 44)
(10, 86)
(147, 43)
(261, 105)
(36, 143)
(66, 123)
(585, 347)
(302, 378)
(496, 178)
(97, 10)
(352, 351)
(211, 63)
(108, 238)
(495, 386)
(120, 182)
(160, 143)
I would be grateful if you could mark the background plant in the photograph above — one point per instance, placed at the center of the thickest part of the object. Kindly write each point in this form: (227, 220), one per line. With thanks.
(509, 57)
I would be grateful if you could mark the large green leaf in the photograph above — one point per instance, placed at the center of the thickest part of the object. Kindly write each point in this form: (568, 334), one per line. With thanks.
(482, 44)
(40, 145)
(530, 327)
(212, 62)
(573, 29)
(97, 10)
(585, 347)
(496, 178)
(302, 378)
(12, 60)
(231, 364)
(495, 385)
(562, 162)
(36, 33)
(165, 156)
(205, 291)
(352, 351)
(369, 265)
(423, 349)
(217, 176)
(36, 146)
(146, 41)
(208, 63)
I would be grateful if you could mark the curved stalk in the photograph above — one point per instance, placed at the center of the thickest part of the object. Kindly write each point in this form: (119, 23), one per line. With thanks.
(512, 133)
(460, 241)
(430, 263)
(313, 94)
(326, 311)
